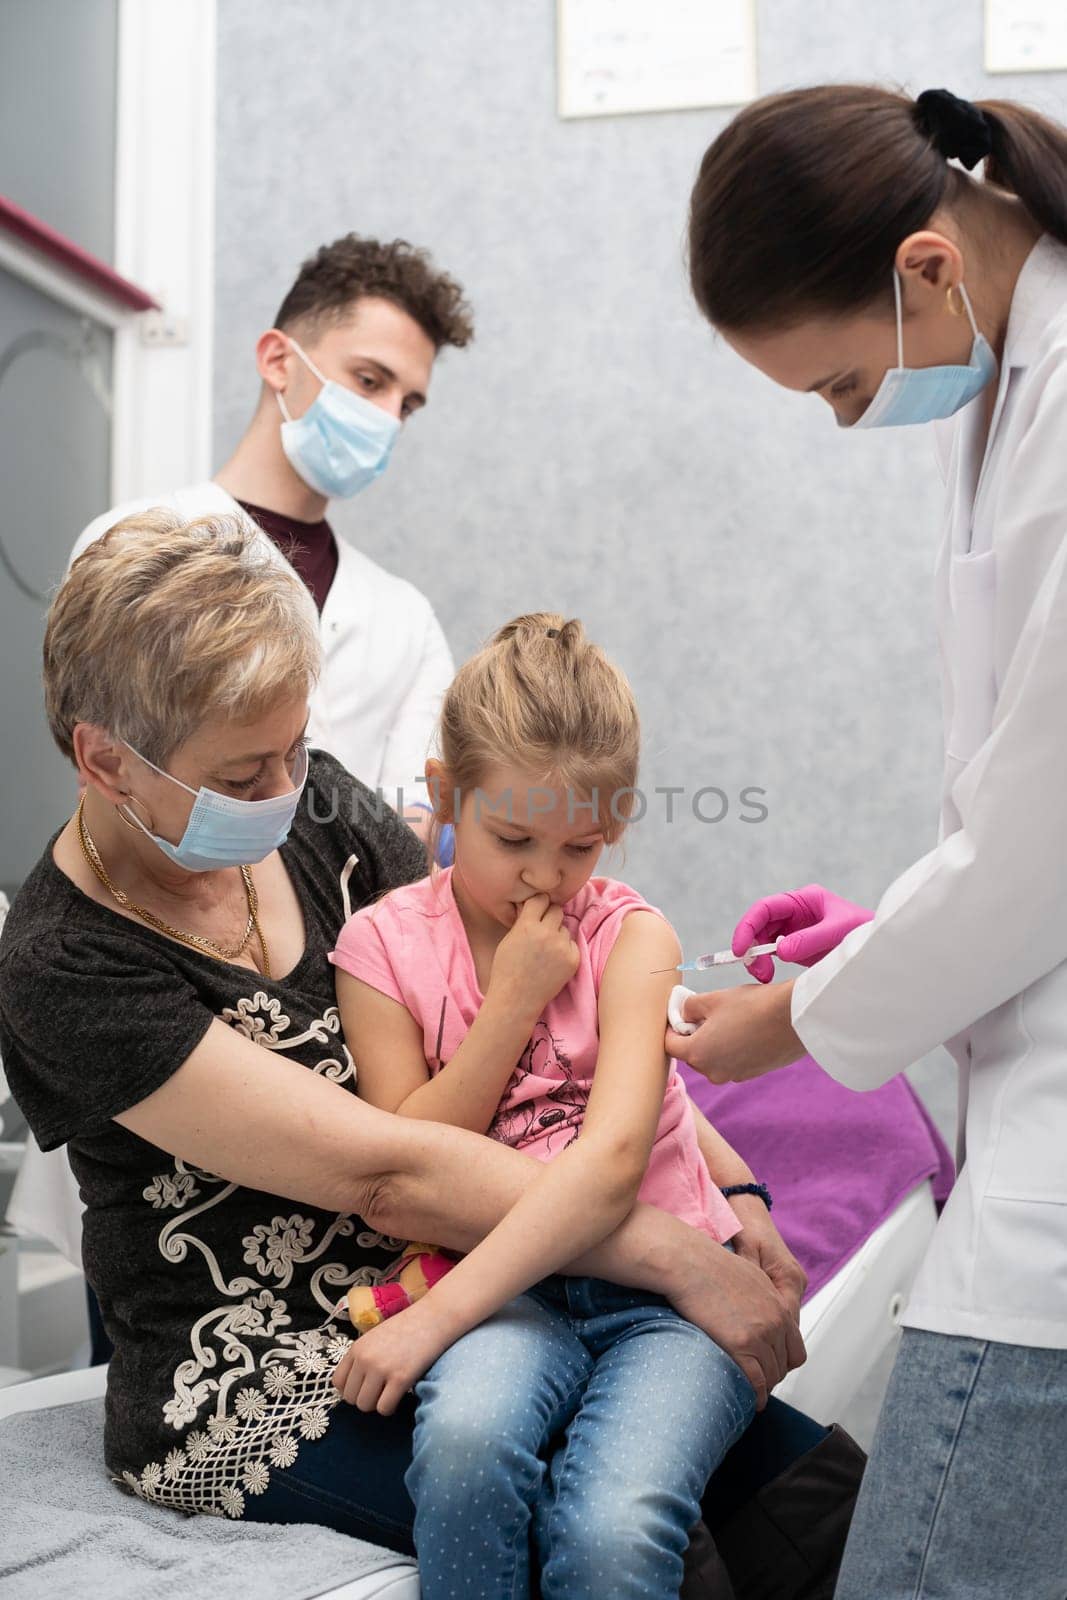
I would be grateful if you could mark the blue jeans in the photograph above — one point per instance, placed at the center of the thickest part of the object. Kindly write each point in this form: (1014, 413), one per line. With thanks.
(966, 1488)
(352, 1478)
(647, 1406)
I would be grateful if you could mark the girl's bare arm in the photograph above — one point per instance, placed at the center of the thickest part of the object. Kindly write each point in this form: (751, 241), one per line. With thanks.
(387, 1046)
(579, 1198)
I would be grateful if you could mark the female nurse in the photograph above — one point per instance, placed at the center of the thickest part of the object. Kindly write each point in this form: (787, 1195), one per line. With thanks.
(836, 248)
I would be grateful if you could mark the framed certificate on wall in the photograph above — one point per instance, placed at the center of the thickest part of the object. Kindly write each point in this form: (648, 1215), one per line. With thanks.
(621, 56)
(1025, 36)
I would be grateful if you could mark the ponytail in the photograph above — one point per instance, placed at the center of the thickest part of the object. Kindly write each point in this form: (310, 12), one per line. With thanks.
(536, 628)
(1029, 160)
(803, 199)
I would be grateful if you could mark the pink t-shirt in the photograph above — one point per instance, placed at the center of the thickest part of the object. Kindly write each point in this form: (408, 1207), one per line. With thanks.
(412, 946)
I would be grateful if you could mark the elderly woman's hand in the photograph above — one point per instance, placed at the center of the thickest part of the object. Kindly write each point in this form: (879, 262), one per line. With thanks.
(739, 1305)
(743, 1033)
(760, 1242)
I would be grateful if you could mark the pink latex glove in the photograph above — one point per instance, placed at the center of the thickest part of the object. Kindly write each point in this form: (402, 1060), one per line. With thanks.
(813, 921)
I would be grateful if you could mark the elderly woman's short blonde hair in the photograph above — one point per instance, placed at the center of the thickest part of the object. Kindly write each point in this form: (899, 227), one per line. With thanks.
(162, 623)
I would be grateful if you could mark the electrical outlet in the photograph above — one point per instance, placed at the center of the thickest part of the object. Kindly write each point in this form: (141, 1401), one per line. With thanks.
(163, 329)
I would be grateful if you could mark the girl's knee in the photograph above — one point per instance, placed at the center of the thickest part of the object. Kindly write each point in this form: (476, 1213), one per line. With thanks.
(456, 1426)
(611, 1545)
(482, 1446)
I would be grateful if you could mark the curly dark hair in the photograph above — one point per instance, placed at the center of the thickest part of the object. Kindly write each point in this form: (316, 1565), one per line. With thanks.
(353, 268)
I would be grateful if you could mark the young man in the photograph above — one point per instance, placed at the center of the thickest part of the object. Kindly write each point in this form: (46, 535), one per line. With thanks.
(346, 362)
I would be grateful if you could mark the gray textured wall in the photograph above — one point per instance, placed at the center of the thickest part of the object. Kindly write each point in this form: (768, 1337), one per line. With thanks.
(763, 578)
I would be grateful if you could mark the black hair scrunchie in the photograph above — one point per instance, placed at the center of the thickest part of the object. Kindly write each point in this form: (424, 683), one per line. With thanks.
(960, 131)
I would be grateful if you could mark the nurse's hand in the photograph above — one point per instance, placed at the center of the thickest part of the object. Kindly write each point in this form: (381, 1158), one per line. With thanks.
(742, 1033)
(810, 922)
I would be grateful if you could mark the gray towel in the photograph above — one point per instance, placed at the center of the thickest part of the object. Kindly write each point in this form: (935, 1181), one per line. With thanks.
(66, 1529)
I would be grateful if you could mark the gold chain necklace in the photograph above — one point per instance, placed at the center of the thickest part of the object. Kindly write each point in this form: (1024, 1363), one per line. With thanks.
(196, 940)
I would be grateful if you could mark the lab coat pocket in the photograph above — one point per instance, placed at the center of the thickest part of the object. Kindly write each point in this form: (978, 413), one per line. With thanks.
(972, 598)
(1020, 1267)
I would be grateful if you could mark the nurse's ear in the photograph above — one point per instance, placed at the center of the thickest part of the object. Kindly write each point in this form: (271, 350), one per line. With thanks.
(440, 790)
(930, 265)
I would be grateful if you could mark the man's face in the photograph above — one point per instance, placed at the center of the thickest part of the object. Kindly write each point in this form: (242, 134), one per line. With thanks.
(378, 351)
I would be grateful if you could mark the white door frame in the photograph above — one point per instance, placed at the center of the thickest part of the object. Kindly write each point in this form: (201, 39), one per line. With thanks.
(165, 241)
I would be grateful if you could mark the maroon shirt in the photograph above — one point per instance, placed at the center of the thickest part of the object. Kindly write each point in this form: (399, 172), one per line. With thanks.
(310, 547)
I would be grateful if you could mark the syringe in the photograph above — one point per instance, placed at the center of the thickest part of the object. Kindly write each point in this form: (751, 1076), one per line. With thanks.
(722, 958)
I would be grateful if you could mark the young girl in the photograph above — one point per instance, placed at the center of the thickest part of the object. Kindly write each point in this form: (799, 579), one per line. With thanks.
(517, 995)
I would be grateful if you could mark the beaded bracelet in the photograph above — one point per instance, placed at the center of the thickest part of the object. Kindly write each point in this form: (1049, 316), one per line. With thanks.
(750, 1188)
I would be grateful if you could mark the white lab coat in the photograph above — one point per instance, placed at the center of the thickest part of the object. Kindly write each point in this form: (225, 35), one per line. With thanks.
(969, 946)
(386, 661)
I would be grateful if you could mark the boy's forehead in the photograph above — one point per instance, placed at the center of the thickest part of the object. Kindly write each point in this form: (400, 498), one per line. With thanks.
(373, 320)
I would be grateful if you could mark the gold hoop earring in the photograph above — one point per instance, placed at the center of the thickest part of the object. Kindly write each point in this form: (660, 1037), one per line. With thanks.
(954, 309)
(132, 800)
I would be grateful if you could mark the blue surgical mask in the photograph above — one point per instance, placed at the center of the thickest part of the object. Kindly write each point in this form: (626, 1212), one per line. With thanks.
(342, 442)
(223, 831)
(923, 394)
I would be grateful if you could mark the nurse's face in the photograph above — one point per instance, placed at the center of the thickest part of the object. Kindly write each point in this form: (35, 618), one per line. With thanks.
(844, 359)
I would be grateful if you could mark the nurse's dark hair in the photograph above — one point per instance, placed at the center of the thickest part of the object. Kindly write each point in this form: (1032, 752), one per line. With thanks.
(332, 281)
(802, 200)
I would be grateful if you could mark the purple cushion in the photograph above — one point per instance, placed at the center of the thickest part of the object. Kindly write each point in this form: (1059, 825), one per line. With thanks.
(837, 1162)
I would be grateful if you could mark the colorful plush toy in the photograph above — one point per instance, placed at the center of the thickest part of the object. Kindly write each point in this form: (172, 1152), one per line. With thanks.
(419, 1268)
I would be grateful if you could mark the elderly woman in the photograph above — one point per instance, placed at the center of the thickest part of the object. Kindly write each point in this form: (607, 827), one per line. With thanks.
(167, 1011)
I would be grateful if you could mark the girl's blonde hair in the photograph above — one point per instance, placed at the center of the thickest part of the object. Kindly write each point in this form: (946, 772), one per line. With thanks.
(540, 696)
(162, 623)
